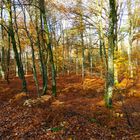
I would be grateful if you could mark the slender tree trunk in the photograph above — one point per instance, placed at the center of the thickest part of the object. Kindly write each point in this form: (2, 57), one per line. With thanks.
(90, 54)
(53, 71)
(8, 59)
(111, 43)
(42, 6)
(83, 55)
(26, 63)
(16, 31)
(63, 53)
(2, 63)
(77, 62)
(130, 65)
(43, 52)
(13, 40)
(33, 54)
(103, 53)
(41, 47)
(63, 62)
(91, 65)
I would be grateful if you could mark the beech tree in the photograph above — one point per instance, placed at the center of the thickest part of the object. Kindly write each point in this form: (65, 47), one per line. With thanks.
(49, 45)
(111, 47)
(8, 4)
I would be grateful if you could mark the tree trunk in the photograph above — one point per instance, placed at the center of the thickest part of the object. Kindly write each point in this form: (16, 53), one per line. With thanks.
(42, 6)
(83, 56)
(8, 59)
(129, 50)
(33, 54)
(41, 46)
(111, 43)
(16, 55)
(2, 63)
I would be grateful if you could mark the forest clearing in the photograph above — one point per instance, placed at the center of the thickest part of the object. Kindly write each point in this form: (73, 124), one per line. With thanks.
(69, 70)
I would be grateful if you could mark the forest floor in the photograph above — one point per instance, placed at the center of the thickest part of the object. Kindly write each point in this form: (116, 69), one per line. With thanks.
(77, 113)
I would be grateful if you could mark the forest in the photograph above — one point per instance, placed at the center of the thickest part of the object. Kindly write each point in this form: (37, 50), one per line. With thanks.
(69, 70)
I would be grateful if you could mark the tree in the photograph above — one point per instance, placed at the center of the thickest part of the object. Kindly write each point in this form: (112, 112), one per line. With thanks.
(8, 5)
(48, 43)
(2, 55)
(33, 51)
(111, 46)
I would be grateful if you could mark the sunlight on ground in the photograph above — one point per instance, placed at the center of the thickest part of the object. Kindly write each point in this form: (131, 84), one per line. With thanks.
(38, 101)
(90, 83)
(20, 96)
(101, 103)
(57, 103)
(125, 83)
